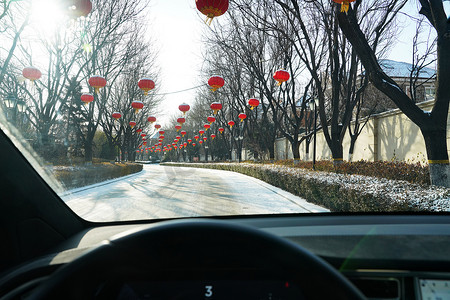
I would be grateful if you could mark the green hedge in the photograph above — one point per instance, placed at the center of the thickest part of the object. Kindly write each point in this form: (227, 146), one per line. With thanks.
(79, 176)
(330, 195)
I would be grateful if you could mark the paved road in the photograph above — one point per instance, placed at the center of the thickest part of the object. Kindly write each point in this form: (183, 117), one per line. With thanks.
(167, 192)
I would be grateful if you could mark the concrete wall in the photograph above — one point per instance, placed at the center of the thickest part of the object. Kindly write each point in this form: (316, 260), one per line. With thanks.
(386, 136)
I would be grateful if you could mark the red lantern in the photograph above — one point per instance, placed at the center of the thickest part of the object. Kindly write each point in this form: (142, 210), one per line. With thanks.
(211, 119)
(196, 137)
(281, 76)
(183, 133)
(161, 137)
(97, 82)
(80, 8)
(132, 124)
(31, 73)
(206, 126)
(212, 8)
(231, 124)
(193, 144)
(178, 127)
(87, 98)
(161, 132)
(200, 142)
(184, 144)
(344, 4)
(221, 129)
(157, 126)
(216, 106)
(138, 130)
(242, 116)
(146, 85)
(184, 108)
(116, 115)
(181, 121)
(213, 136)
(143, 134)
(216, 82)
(137, 105)
(178, 137)
(253, 103)
(205, 138)
(151, 119)
(189, 141)
(201, 132)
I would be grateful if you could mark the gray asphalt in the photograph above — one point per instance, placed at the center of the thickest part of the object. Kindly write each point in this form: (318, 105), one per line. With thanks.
(168, 192)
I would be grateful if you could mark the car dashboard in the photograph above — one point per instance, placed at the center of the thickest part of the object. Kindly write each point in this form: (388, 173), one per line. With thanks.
(384, 256)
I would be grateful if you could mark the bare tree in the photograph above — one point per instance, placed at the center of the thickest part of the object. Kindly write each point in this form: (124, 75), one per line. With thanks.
(433, 125)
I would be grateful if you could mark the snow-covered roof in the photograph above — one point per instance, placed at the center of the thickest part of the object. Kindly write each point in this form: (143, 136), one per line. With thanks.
(402, 69)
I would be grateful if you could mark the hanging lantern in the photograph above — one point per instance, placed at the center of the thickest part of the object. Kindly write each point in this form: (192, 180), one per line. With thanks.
(181, 121)
(157, 126)
(344, 4)
(183, 133)
(116, 115)
(205, 138)
(80, 8)
(206, 126)
(97, 82)
(242, 116)
(138, 130)
(213, 136)
(184, 144)
(31, 73)
(145, 143)
(132, 124)
(231, 124)
(87, 98)
(137, 105)
(143, 134)
(212, 8)
(184, 108)
(211, 119)
(281, 76)
(162, 137)
(201, 132)
(151, 119)
(161, 132)
(253, 102)
(189, 141)
(200, 142)
(216, 106)
(178, 137)
(146, 85)
(193, 144)
(178, 127)
(221, 129)
(196, 137)
(216, 82)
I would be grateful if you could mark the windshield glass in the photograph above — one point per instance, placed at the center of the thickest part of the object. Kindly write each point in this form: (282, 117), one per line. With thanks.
(151, 109)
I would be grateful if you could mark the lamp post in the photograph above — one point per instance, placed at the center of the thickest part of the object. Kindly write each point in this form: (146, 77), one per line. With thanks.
(15, 105)
(206, 153)
(313, 107)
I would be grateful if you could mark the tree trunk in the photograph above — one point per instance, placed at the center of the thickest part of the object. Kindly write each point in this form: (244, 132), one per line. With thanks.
(436, 145)
(353, 139)
(337, 152)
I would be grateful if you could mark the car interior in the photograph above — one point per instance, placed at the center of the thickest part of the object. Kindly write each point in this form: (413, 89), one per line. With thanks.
(49, 252)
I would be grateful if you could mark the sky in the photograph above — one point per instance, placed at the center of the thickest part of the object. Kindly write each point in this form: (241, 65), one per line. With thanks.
(176, 28)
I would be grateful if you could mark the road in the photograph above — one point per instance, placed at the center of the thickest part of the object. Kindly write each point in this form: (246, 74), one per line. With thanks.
(168, 192)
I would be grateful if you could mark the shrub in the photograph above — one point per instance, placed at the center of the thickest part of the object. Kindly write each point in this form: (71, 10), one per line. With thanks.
(79, 176)
(395, 170)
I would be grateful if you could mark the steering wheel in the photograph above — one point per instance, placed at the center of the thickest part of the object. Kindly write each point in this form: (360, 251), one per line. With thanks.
(194, 250)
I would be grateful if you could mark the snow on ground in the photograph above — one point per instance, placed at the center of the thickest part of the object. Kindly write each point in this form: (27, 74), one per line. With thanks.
(432, 198)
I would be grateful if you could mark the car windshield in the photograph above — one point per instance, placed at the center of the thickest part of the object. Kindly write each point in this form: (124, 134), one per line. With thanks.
(151, 109)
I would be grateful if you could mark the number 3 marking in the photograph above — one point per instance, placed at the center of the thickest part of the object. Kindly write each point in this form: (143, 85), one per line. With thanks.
(208, 291)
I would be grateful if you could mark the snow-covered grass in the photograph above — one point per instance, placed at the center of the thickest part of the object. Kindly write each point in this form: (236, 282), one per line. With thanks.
(340, 192)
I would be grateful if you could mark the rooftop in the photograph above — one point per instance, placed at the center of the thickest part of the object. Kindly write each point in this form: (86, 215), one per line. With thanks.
(402, 69)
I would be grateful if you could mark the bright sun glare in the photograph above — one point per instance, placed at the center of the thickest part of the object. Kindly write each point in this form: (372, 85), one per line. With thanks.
(47, 15)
